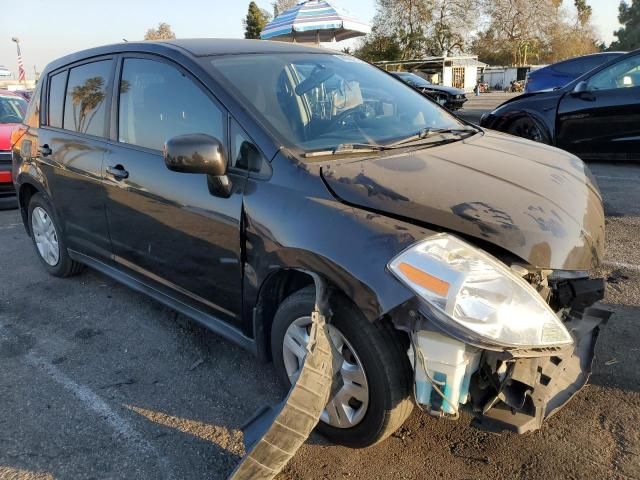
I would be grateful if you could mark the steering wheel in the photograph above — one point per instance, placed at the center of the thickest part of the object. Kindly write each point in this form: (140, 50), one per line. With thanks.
(360, 111)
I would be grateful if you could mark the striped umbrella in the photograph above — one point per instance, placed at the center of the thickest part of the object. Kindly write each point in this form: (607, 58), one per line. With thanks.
(314, 21)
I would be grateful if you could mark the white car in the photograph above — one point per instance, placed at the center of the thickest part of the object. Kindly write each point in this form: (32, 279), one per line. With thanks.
(4, 71)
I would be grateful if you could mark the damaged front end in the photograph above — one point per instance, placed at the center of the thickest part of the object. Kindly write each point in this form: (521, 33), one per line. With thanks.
(511, 344)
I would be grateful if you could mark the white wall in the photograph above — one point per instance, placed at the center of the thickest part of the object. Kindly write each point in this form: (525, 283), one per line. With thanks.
(470, 78)
(447, 76)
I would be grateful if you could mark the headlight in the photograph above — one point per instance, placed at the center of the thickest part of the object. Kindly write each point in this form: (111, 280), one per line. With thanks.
(476, 298)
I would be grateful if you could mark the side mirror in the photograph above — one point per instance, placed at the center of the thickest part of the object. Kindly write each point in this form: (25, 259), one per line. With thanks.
(199, 153)
(580, 88)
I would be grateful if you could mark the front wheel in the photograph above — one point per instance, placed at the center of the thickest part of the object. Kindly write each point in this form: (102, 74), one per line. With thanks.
(529, 128)
(371, 396)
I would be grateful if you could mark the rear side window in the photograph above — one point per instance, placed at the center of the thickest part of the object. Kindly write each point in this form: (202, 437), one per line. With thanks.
(158, 102)
(84, 106)
(57, 84)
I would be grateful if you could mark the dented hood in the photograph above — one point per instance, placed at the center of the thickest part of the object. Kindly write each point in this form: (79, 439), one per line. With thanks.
(535, 201)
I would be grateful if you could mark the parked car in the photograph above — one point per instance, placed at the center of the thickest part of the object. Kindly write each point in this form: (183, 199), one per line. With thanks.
(449, 97)
(4, 71)
(171, 167)
(12, 109)
(561, 73)
(596, 117)
(26, 94)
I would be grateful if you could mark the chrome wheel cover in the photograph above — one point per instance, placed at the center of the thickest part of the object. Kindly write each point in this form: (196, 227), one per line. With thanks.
(350, 396)
(45, 236)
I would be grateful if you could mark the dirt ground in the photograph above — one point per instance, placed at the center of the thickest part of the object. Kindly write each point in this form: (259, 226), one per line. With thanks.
(100, 382)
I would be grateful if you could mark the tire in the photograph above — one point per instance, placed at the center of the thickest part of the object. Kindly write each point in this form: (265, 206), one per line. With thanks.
(376, 347)
(529, 128)
(63, 265)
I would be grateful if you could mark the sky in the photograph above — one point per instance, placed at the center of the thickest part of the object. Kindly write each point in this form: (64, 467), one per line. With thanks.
(57, 27)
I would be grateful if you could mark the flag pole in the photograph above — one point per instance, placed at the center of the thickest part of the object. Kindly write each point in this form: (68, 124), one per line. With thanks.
(22, 77)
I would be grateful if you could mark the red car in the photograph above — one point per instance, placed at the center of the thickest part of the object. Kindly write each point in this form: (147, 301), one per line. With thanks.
(12, 110)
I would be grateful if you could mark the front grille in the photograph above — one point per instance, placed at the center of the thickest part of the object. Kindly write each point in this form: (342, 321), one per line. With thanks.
(5, 157)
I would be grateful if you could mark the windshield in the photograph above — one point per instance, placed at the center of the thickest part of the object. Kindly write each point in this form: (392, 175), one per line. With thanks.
(12, 109)
(321, 101)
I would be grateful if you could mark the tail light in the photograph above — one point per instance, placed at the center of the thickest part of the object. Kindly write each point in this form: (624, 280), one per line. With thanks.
(5, 177)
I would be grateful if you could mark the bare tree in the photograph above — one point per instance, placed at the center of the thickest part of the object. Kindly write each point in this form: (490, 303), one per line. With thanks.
(407, 22)
(163, 32)
(451, 22)
(280, 6)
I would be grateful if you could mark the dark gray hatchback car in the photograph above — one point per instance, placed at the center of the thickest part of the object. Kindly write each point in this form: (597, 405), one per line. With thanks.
(221, 176)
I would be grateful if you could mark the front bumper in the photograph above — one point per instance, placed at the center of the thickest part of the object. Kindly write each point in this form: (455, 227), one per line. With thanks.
(7, 190)
(534, 388)
(455, 103)
(509, 390)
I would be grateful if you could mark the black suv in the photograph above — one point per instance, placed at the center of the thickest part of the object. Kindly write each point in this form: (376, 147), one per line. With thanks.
(221, 176)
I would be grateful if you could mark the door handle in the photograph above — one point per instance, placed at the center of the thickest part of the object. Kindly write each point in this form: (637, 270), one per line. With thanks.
(44, 150)
(118, 172)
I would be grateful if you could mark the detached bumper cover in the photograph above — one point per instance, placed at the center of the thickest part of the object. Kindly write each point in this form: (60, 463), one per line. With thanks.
(535, 388)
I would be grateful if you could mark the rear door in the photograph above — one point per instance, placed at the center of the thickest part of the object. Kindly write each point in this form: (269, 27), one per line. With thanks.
(71, 143)
(604, 121)
(166, 227)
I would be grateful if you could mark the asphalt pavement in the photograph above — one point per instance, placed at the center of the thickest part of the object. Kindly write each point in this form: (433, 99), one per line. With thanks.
(100, 382)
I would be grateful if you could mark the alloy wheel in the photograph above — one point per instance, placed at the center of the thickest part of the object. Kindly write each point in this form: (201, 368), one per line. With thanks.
(45, 236)
(350, 395)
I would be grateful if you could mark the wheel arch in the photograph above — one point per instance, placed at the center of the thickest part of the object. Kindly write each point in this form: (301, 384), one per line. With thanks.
(276, 288)
(538, 119)
(26, 191)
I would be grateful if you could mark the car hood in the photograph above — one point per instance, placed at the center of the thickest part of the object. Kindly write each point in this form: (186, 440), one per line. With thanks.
(537, 202)
(5, 135)
(442, 88)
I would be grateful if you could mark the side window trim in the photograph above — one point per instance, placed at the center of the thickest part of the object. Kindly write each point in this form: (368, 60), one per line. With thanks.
(47, 113)
(108, 96)
(115, 108)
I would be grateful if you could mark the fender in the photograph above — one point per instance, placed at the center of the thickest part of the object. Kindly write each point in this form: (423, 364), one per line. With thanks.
(540, 106)
(347, 246)
(29, 176)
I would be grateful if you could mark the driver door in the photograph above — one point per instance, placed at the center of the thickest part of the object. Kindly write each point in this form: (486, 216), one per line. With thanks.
(603, 122)
(167, 228)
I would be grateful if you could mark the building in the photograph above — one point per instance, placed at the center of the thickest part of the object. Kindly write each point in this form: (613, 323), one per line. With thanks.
(460, 71)
(499, 78)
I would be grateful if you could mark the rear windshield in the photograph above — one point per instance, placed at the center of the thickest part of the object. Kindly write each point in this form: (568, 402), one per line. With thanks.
(319, 101)
(12, 109)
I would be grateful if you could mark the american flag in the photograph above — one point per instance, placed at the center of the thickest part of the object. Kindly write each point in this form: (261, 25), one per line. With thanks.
(21, 73)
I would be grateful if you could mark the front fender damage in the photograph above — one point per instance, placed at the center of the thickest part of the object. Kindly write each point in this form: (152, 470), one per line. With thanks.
(274, 434)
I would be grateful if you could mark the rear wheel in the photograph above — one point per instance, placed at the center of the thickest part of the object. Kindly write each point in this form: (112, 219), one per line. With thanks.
(48, 242)
(371, 396)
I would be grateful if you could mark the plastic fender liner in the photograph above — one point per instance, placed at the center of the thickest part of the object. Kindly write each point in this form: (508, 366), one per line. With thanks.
(274, 435)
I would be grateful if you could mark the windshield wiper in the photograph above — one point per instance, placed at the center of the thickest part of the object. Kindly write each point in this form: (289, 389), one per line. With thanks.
(428, 132)
(347, 148)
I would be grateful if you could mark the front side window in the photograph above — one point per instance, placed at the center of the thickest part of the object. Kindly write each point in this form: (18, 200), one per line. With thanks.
(624, 74)
(84, 106)
(57, 84)
(320, 101)
(158, 102)
(12, 109)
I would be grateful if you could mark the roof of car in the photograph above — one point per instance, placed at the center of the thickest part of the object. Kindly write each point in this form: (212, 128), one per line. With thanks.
(196, 47)
(202, 47)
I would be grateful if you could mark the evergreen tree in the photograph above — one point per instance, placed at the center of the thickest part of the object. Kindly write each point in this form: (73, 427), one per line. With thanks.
(629, 34)
(255, 21)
